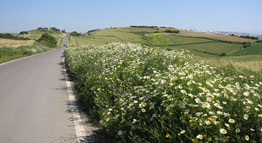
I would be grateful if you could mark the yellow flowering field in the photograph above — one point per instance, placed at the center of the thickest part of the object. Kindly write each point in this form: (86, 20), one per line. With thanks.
(147, 94)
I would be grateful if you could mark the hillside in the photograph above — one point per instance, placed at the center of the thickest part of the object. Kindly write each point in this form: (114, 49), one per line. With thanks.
(35, 34)
(208, 47)
(200, 44)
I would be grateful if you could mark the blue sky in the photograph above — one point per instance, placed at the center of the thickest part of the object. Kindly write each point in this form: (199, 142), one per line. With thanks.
(84, 15)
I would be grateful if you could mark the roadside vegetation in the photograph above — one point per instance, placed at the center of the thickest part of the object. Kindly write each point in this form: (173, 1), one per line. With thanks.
(149, 94)
(168, 86)
(28, 43)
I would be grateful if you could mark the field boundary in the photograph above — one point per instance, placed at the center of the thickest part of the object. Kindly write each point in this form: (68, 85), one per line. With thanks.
(224, 41)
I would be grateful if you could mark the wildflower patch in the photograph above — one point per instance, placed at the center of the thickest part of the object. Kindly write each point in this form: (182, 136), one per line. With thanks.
(147, 94)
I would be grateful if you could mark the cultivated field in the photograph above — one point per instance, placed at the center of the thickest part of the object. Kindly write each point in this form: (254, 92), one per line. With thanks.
(208, 47)
(251, 62)
(214, 36)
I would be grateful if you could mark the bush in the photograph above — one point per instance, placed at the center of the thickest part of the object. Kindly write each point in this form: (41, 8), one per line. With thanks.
(74, 33)
(142, 26)
(48, 40)
(222, 54)
(143, 94)
(172, 31)
(90, 31)
(10, 36)
(246, 44)
(23, 33)
(54, 29)
(42, 28)
(250, 37)
(7, 36)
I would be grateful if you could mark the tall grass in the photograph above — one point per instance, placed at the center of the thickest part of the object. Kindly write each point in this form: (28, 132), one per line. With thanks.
(7, 53)
(15, 43)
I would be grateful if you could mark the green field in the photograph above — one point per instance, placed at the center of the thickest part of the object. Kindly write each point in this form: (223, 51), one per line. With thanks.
(212, 49)
(197, 45)
(254, 49)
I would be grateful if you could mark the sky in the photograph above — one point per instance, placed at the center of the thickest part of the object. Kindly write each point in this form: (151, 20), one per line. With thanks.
(84, 15)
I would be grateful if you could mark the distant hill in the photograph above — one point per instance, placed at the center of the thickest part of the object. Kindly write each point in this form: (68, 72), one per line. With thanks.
(200, 44)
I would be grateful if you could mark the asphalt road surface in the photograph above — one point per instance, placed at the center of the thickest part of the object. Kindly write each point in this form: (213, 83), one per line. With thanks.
(33, 100)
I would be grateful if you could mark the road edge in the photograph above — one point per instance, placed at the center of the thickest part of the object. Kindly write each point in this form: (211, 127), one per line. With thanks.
(78, 122)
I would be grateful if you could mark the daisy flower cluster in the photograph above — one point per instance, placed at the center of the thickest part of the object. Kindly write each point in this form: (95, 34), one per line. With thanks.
(148, 94)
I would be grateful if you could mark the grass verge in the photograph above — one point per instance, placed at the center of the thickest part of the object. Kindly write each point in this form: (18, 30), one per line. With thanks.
(8, 54)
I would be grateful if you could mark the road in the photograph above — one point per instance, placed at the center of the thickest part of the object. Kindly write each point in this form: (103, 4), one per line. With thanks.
(33, 100)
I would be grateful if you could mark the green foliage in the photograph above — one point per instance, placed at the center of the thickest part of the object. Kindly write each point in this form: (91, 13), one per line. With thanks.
(7, 54)
(47, 40)
(74, 33)
(148, 94)
(253, 49)
(23, 33)
(143, 26)
(246, 44)
(90, 31)
(42, 28)
(10, 36)
(172, 31)
(249, 37)
(157, 40)
(54, 29)
(222, 54)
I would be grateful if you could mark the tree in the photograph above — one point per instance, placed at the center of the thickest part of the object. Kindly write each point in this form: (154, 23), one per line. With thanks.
(246, 44)
(54, 29)
(23, 33)
(74, 33)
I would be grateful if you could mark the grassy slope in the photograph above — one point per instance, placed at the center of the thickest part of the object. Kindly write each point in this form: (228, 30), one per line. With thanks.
(254, 49)
(207, 47)
(214, 36)
(36, 34)
(199, 46)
